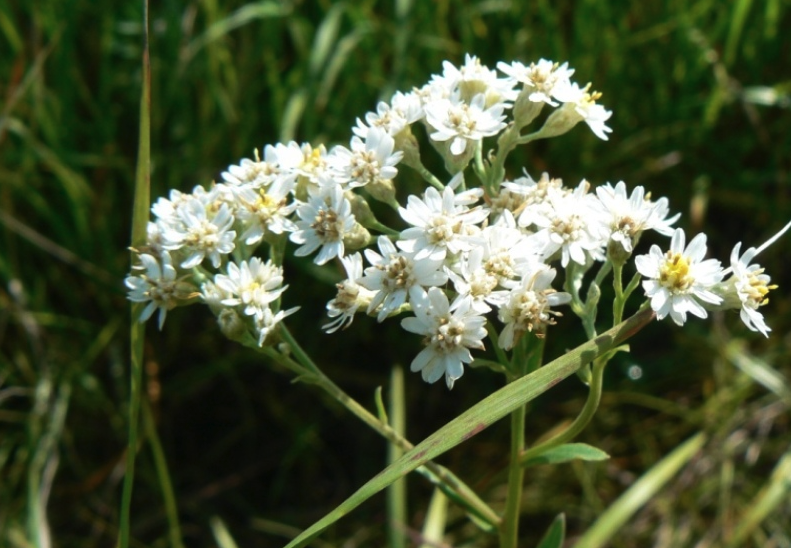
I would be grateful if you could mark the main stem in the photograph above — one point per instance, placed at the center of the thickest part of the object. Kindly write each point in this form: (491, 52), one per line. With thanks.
(509, 531)
(524, 363)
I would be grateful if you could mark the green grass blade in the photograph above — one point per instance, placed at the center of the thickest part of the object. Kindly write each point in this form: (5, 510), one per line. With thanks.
(775, 493)
(436, 520)
(163, 475)
(638, 494)
(243, 16)
(482, 415)
(142, 201)
(326, 36)
(741, 10)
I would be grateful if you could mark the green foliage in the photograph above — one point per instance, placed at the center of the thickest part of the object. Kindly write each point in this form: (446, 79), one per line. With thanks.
(700, 96)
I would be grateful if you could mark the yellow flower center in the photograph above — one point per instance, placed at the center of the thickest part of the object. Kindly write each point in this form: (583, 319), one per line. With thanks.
(674, 273)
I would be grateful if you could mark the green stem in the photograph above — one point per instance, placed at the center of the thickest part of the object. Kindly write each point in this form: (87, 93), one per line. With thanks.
(505, 144)
(384, 229)
(582, 420)
(619, 301)
(450, 484)
(509, 531)
(142, 202)
(160, 463)
(396, 494)
(478, 166)
(429, 177)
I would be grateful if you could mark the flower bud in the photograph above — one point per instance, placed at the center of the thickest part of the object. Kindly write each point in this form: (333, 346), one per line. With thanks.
(358, 238)
(525, 110)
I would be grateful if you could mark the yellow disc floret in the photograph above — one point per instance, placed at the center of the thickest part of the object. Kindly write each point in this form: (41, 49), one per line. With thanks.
(674, 272)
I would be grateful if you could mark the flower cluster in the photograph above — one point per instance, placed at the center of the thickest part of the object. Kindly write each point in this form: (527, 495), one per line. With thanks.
(463, 255)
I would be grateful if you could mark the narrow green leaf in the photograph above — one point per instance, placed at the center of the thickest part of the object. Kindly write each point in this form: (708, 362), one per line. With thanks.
(568, 452)
(482, 415)
(611, 521)
(556, 533)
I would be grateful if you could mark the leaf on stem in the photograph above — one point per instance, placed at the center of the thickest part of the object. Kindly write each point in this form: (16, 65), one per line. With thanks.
(556, 533)
(568, 452)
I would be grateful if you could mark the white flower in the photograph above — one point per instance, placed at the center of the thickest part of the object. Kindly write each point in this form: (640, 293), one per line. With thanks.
(266, 322)
(746, 289)
(440, 224)
(200, 229)
(473, 78)
(528, 306)
(450, 332)
(257, 173)
(573, 225)
(580, 105)
(539, 79)
(680, 278)
(158, 286)
(630, 216)
(472, 281)
(367, 162)
(324, 221)
(396, 276)
(527, 199)
(403, 110)
(252, 284)
(462, 122)
(508, 251)
(351, 295)
(264, 210)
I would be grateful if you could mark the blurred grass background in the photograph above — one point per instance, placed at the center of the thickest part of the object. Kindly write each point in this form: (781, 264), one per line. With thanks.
(700, 92)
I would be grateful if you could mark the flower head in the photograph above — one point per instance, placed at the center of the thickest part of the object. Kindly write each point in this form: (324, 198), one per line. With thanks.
(324, 221)
(397, 276)
(629, 216)
(680, 279)
(462, 122)
(539, 79)
(158, 286)
(528, 307)
(367, 162)
(253, 284)
(440, 224)
(449, 334)
(351, 295)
